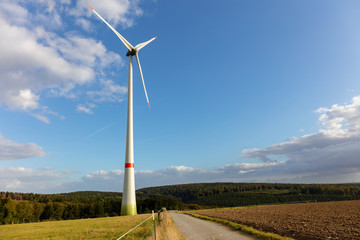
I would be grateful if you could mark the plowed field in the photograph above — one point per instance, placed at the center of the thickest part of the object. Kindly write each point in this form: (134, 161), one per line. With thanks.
(304, 221)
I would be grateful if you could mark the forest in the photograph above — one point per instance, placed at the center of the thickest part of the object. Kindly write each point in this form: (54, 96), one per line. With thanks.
(31, 207)
(244, 194)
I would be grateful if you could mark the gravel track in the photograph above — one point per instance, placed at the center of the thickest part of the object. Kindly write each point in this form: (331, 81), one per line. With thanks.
(196, 229)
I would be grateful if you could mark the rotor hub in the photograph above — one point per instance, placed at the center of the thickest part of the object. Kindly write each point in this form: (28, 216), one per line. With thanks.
(131, 52)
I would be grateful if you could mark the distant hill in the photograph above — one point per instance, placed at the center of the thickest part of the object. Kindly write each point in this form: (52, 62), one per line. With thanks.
(93, 194)
(241, 194)
(30, 207)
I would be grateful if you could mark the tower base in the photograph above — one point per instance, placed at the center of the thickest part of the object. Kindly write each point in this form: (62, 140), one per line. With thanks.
(128, 209)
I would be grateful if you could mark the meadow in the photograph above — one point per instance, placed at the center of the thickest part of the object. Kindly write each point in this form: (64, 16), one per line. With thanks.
(96, 228)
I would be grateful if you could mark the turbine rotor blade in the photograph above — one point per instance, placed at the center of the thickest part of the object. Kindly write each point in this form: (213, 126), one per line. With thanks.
(124, 41)
(142, 78)
(141, 45)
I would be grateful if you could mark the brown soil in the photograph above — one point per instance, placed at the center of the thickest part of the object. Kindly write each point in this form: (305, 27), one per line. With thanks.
(304, 221)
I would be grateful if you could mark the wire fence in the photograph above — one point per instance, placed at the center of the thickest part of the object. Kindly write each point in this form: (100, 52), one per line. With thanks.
(153, 218)
(154, 225)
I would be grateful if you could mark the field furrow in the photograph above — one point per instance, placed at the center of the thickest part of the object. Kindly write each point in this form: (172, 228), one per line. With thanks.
(318, 221)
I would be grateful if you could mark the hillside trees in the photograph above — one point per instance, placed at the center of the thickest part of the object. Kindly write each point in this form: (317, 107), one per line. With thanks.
(7, 211)
(63, 207)
(30, 207)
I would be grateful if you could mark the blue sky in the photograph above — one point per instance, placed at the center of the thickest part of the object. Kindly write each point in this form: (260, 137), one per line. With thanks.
(241, 91)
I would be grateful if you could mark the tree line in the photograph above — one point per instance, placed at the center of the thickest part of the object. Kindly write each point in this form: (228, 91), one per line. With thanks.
(243, 194)
(16, 208)
(31, 207)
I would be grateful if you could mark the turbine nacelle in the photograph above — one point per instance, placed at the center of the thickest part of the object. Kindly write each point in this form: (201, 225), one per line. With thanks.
(131, 52)
(134, 50)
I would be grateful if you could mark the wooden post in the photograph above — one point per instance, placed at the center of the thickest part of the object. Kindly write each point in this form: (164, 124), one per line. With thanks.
(154, 223)
(160, 216)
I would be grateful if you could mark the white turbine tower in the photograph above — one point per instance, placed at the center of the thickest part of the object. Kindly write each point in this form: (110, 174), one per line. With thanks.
(128, 206)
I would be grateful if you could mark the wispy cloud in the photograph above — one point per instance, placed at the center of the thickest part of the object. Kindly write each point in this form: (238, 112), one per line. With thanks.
(100, 130)
(110, 92)
(86, 109)
(10, 150)
(41, 117)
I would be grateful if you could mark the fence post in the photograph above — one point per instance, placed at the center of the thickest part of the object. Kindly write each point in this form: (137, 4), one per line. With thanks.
(160, 216)
(154, 224)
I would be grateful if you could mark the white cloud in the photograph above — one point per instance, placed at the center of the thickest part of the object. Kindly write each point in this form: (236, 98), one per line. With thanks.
(41, 117)
(48, 112)
(110, 92)
(13, 12)
(341, 119)
(40, 58)
(25, 100)
(331, 154)
(21, 179)
(84, 51)
(29, 66)
(116, 12)
(84, 109)
(10, 150)
(84, 24)
(47, 168)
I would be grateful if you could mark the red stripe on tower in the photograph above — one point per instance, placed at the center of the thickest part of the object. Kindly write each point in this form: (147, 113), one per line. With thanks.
(129, 165)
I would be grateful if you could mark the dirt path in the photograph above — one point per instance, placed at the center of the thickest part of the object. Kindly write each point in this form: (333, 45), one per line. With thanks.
(197, 229)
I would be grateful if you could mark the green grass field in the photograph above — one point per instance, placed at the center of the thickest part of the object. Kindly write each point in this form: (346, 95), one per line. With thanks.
(95, 228)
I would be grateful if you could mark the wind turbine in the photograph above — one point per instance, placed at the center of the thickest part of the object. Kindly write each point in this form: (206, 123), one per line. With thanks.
(128, 205)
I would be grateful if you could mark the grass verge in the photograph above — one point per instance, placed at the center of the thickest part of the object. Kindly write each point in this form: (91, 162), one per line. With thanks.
(166, 229)
(249, 230)
(95, 228)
